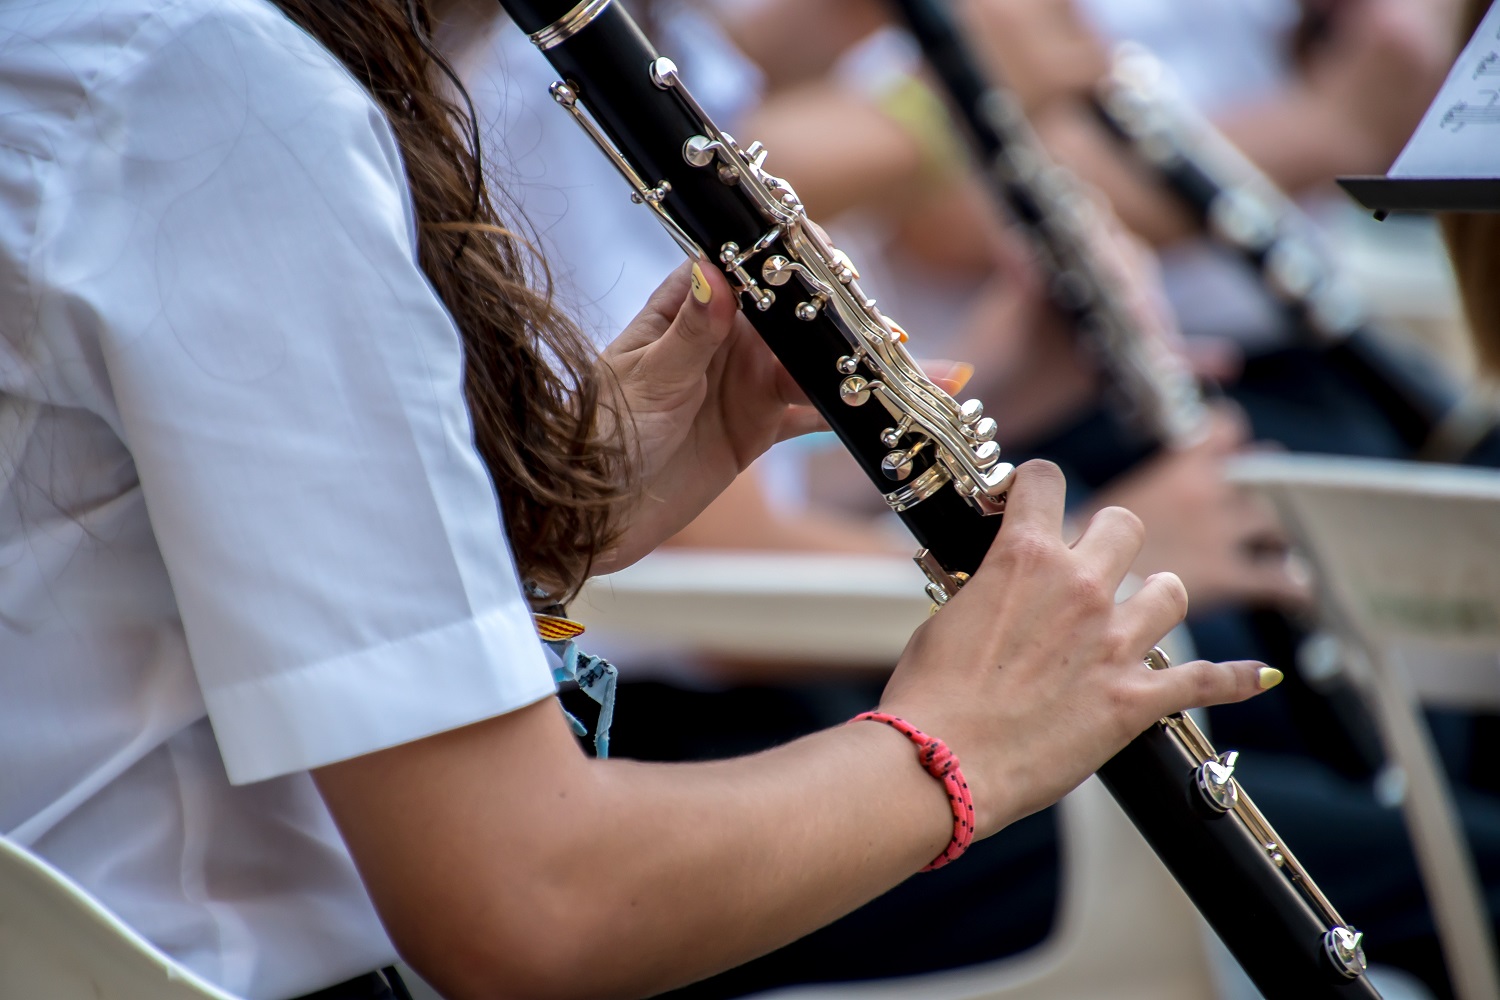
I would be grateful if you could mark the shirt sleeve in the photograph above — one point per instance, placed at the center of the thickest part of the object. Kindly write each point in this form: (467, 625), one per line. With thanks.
(238, 241)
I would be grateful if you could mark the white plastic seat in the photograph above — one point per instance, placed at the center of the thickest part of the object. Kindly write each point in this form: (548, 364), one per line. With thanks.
(58, 943)
(1407, 562)
(830, 610)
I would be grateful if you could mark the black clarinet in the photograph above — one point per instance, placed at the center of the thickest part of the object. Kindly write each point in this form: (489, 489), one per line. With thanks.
(1041, 196)
(932, 458)
(1155, 392)
(1237, 206)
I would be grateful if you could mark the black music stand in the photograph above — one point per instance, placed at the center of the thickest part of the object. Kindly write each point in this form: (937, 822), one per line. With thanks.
(1384, 195)
(1452, 161)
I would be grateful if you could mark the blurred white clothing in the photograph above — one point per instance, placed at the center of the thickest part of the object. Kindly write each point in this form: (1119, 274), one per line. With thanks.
(1223, 52)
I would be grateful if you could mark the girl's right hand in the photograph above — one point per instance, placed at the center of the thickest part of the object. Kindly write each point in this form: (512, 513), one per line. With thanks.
(1033, 675)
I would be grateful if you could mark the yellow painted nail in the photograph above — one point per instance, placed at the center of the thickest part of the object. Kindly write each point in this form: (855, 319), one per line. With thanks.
(1270, 677)
(702, 290)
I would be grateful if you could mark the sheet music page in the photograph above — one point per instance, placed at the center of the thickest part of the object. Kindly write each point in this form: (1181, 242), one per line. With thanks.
(1460, 134)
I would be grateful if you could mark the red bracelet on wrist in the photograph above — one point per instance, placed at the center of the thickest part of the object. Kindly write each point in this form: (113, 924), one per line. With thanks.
(942, 765)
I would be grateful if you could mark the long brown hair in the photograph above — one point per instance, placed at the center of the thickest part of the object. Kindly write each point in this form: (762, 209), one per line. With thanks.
(531, 382)
(1474, 246)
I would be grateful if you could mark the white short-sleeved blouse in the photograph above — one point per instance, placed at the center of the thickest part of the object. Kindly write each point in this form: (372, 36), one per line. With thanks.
(243, 527)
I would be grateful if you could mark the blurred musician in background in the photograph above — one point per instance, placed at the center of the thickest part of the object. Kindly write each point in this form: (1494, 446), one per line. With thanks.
(1307, 91)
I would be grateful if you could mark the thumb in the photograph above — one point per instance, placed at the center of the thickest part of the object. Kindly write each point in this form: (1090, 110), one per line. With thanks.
(682, 353)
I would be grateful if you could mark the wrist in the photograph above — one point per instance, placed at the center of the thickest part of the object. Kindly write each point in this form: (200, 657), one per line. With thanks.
(942, 764)
(909, 785)
(996, 785)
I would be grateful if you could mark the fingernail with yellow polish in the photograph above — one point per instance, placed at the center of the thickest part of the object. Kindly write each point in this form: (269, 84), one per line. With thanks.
(1269, 678)
(702, 290)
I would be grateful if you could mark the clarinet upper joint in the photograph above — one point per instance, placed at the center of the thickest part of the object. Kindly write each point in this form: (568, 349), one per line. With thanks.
(652, 195)
(584, 13)
(791, 249)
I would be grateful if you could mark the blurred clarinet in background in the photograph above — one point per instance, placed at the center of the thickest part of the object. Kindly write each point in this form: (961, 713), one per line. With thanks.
(1045, 199)
(1154, 390)
(1242, 209)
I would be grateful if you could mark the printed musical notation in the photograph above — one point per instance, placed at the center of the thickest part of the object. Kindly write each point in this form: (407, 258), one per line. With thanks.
(1455, 138)
(1463, 113)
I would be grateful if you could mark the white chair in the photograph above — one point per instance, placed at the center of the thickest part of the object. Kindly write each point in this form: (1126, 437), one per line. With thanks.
(58, 943)
(1125, 930)
(830, 610)
(1407, 560)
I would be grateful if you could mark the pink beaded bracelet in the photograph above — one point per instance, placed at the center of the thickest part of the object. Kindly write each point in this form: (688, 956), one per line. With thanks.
(942, 765)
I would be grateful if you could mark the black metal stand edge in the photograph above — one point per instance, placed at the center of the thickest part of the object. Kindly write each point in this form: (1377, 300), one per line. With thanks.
(1384, 195)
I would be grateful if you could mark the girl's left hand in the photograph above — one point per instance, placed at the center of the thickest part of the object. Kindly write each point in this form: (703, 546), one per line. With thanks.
(702, 397)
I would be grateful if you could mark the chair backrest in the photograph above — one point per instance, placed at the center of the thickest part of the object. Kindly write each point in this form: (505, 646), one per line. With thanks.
(58, 943)
(1410, 551)
(1407, 561)
(826, 609)
(833, 610)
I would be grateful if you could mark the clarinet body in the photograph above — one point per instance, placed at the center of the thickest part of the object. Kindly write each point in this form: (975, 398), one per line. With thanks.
(934, 460)
(1239, 207)
(1156, 392)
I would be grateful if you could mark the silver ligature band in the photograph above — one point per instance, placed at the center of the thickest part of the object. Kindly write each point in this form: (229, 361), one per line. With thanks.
(569, 24)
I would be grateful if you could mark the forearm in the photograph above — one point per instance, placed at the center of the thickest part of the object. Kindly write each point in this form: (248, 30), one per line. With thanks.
(506, 864)
(736, 858)
(793, 41)
(618, 879)
(1299, 141)
(836, 148)
(1137, 196)
(1291, 138)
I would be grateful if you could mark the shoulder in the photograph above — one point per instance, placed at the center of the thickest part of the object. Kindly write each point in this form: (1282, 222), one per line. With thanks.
(196, 137)
(149, 104)
(102, 71)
